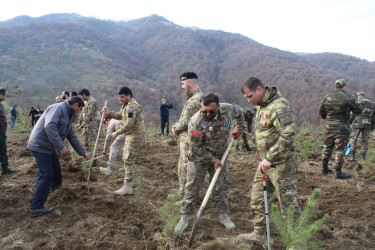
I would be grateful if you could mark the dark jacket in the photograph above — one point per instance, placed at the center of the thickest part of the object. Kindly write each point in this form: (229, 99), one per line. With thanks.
(3, 119)
(13, 111)
(164, 109)
(52, 128)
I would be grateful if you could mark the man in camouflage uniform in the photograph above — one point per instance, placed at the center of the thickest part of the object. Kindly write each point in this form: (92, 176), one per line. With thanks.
(275, 143)
(363, 123)
(117, 144)
(189, 83)
(335, 109)
(133, 126)
(209, 132)
(87, 119)
(248, 115)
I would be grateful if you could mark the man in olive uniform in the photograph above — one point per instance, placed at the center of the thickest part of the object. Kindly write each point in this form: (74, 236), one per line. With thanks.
(87, 119)
(209, 133)
(363, 123)
(335, 109)
(275, 144)
(133, 126)
(189, 83)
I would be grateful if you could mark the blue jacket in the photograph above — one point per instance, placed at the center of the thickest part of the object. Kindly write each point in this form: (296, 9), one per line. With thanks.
(164, 109)
(52, 128)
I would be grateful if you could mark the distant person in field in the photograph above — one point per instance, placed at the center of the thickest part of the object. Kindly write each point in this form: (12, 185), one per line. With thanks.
(13, 115)
(275, 144)
(132, 125)
(164, 107)
(33, 112)
(364, 124)
(39, 113)
(335, 109)
(209, 133)
(65, 95)
(189, 84)
(118, 144)
(3, 137)
(45, 142)
(87, 122)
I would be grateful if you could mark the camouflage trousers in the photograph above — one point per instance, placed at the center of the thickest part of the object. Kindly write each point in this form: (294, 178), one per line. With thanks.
(338, 139)
(182, 165)
(195, 177)
(89, 134)
(116, 147)
(281, 181)
(133, 143)
(365, 137)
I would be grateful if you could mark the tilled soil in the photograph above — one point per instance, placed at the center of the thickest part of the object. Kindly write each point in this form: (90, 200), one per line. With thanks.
(90, 216)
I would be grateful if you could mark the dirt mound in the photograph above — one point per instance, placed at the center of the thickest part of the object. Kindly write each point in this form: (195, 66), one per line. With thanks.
(91, 216)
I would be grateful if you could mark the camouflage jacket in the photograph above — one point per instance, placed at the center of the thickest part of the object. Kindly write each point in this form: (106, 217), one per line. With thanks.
(366, 119)
(132, 119)
(208, 139)
(274, 128)
(335, 108)
(191, 106)
(89, 113)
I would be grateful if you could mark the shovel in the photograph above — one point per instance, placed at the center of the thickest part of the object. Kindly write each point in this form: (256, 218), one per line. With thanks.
(209, 190)
(96, 144)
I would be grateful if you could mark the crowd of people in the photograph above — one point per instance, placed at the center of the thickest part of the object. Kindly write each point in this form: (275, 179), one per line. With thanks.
(204, 128)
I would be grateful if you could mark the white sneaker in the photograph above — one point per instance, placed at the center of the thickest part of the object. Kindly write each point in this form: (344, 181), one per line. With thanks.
(107, 171)
(126, 189)
(224, 219)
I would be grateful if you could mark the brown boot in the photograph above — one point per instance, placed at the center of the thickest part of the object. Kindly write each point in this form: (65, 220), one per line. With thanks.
(255, 237)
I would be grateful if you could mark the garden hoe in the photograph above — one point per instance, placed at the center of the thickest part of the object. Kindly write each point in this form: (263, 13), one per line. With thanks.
(96, 145)
(209, 190)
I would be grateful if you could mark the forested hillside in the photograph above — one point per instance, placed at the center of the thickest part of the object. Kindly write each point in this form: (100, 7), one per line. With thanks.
(42, 56)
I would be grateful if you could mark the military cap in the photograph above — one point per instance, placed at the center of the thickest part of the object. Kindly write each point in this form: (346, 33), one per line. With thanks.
(361, 93)
(340, 83)
(188, 75)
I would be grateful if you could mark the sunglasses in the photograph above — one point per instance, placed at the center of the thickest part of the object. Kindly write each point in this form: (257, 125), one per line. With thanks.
(211, 112)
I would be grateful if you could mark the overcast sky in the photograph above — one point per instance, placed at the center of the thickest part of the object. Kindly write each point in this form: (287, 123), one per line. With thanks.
(343, 26)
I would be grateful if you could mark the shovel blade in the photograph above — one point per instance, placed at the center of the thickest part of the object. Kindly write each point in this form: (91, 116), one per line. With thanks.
(194, 230)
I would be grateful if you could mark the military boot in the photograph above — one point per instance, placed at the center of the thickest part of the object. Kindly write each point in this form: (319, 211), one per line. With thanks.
(126, 189)
(363, 156)
(248, 147)
(35, 212)
(352, 156)
(224, 219)
(6, 170)
(107, 171)
(342, 175)
(182, 224)
(255, 237)
(326, 169)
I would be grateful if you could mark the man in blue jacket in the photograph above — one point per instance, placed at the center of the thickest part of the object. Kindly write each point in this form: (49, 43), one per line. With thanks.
(45, 140)
(164, 115)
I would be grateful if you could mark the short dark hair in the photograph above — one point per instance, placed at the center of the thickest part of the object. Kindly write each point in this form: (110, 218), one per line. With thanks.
(73, 93)
(84, 91)
(251, 83)
(2, 91)
(76, 99)
(209, 98)
(126, 91)
(15, 105)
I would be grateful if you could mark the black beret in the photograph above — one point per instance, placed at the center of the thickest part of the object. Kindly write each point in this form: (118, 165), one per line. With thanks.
(188, 75)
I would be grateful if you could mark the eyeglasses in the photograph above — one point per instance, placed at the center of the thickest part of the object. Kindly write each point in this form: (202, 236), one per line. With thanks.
(211, 112)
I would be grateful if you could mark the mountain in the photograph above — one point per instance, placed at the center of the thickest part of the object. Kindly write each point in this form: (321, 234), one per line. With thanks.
(42, 56)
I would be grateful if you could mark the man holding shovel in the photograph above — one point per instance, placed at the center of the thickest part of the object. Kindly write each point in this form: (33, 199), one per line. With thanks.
(209, 133)
(45, 142)
(275, 135)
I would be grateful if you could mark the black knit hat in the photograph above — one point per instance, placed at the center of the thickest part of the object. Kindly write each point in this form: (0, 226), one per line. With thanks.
(188, 75)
